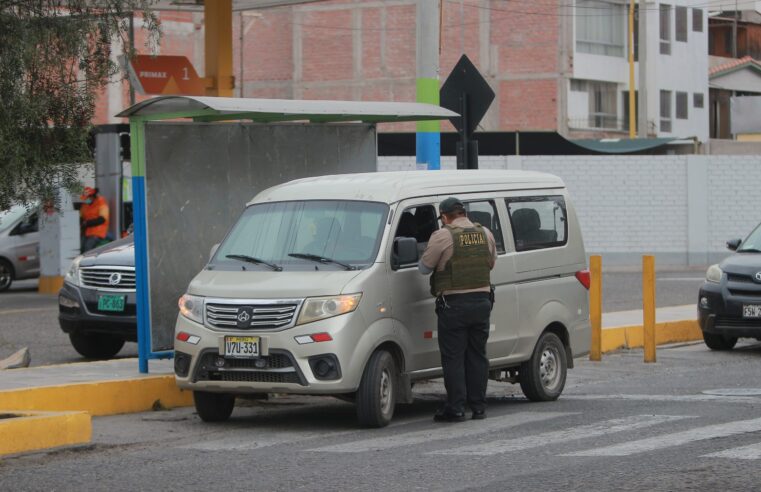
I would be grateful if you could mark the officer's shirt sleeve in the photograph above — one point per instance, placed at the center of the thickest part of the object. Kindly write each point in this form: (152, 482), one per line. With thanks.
(432, 253)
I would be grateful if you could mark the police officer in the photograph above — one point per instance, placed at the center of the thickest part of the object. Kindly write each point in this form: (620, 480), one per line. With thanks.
(461, 256)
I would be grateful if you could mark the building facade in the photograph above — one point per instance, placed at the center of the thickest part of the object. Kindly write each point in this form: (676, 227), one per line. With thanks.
(554, 65)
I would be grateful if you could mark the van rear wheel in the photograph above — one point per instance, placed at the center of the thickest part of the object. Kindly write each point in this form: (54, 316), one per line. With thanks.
(213, 407)
(376, 396)
(543, 376)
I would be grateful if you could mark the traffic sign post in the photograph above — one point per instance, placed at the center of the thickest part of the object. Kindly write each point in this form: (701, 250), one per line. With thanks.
(466, 92)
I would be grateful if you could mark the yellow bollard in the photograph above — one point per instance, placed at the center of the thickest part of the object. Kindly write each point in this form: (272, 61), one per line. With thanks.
(595, 306)
(648, 306)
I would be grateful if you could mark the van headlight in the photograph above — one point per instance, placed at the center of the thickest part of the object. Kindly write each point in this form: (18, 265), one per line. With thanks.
(317, 308)
(72, 274)
(714, 274)
(191, 307)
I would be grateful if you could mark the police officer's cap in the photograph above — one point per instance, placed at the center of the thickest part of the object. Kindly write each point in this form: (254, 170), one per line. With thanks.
(451, 205)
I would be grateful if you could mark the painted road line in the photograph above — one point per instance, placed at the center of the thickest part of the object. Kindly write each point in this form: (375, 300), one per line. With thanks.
(27, 310)
(664, 441)
(262, 438)
(465, 429)
(752, 452)
(501, 446)
(668, 398)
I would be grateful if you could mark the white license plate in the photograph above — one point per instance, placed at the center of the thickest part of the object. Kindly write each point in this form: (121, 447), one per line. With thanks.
(242, 347)
(752, 311)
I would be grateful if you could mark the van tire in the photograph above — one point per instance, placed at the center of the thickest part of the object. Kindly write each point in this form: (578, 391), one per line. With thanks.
(719, 342)
(213, 407)
(543, 376)
(96, 345)
(6, 275)
(376, 396)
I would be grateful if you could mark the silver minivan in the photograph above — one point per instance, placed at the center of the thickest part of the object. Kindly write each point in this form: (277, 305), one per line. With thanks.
(19, 245)
(315, 290)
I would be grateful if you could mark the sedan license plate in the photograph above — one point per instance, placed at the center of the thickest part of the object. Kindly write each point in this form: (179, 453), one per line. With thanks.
(111, 303)
(752, 311)
(242, 347)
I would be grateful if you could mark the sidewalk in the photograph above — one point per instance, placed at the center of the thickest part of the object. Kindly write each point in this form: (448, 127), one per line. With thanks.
(59, 399)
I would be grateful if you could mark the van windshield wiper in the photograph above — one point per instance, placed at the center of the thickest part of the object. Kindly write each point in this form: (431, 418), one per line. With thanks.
(322, 259)
(749, 250)
(256, 261)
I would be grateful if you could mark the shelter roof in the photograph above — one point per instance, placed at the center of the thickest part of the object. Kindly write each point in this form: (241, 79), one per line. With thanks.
(622, 145)
(276, 110)
(390, 187)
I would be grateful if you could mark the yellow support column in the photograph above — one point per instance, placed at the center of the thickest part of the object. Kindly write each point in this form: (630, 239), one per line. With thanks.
(648, 306)
(218, 44)
(595, 306)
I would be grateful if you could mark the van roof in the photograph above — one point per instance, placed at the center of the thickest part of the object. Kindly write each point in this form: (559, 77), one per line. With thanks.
(390, 187)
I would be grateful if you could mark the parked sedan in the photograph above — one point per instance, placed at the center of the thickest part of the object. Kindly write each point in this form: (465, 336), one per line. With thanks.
(729, 304)
(19, 245)
(96, 304)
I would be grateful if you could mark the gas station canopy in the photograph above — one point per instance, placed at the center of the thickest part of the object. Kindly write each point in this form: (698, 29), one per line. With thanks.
(280, 110)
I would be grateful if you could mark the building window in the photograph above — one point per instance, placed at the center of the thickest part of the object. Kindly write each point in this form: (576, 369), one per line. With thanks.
(681, 105)
(697, 20)
(697, 100)
(665, 24)
(578, 85)
(601, 28)
(681, 23)
(666, 111)
(602, 105)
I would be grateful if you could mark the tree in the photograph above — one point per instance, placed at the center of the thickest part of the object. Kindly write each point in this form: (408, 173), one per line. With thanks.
(54, 58)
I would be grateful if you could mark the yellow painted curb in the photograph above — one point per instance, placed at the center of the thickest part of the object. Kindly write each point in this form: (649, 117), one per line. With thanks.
(32, 431)
(50, 284)
(100, 398)
(667, 332)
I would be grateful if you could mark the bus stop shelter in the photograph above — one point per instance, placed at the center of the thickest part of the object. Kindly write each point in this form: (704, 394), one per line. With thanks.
(196, 161)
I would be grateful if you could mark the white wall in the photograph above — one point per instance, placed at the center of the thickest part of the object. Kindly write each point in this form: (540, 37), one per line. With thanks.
(681, 208)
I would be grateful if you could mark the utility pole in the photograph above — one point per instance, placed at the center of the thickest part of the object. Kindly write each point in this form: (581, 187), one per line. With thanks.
(632, 108)
(428, 138)
(642, 57)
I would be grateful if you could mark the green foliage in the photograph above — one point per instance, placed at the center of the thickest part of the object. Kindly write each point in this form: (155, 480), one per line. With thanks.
(54, 58)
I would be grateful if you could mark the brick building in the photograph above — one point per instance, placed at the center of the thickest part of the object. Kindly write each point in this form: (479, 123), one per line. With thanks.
(554, 65)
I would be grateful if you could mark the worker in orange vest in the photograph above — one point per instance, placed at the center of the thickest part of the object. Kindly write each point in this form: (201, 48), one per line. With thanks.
(93, 219)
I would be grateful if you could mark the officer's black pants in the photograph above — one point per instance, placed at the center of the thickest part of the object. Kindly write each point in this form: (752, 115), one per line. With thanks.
(463, 331)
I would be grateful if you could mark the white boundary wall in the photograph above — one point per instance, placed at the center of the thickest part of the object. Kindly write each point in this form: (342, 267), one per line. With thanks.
(682, 209)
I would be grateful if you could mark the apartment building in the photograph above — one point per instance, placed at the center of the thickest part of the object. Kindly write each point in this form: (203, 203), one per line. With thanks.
(674, 46)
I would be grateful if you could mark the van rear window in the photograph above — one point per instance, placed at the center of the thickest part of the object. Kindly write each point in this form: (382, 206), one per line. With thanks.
(538, 222)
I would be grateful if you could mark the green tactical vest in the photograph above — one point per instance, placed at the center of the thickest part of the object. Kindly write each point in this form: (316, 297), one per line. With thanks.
(469, 266)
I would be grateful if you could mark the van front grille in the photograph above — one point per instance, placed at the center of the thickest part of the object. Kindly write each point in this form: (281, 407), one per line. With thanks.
(253, 316)
(278, 367)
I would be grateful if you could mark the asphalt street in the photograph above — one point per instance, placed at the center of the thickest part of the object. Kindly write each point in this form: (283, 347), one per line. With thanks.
(28, 319)
(691, 421)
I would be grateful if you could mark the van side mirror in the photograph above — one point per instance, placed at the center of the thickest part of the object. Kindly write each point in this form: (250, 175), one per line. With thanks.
(213, 250)
(404, 252)
(733, 244)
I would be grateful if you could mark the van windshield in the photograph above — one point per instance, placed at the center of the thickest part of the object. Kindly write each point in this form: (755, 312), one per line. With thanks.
(311, 234)
(752, 243)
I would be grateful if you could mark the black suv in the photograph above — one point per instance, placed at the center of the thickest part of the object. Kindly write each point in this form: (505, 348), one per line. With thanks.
(96, 305)
(729, 305)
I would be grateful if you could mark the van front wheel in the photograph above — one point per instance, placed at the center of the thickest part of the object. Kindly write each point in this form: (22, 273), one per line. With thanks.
(213, 407)
(376, 396)
(542, 377)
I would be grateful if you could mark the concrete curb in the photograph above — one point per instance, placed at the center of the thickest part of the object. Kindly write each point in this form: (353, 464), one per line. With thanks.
(100, 398)
(34, 431)
(627, 337)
